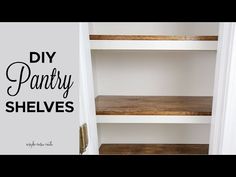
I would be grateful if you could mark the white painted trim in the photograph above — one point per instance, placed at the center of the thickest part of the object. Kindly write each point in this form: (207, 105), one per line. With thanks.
(152, 45)
(153, 119)
(86, 89)
(223, 131)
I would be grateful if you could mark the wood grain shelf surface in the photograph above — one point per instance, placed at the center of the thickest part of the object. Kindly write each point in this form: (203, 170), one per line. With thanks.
(153, 149)
(154, 105)
(153, 37)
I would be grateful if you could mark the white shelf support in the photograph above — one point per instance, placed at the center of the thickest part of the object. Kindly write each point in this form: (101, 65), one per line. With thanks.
(152, 45)
(102, 119)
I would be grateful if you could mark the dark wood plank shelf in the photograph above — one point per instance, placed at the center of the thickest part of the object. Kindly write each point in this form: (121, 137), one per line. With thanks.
(154, 105)
(153, 37)
(153, 149)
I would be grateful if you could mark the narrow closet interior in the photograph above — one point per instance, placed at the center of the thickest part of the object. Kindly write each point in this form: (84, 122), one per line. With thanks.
(153, 84)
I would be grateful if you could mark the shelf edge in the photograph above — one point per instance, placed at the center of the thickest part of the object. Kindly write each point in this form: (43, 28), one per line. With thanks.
(154, 37)
(153, 119)
(153, 45)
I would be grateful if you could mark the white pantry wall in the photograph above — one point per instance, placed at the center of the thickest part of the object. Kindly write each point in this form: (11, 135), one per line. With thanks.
(161, 73)
(154, 28)
(173, 73)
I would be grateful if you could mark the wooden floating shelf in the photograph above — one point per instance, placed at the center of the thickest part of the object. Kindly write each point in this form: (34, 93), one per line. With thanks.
(153, 109)
(153, 149)
(153, 37)
(153, 105)
(152, 42)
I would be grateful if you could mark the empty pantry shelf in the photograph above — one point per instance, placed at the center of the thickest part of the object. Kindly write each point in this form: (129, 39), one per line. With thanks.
(153, 105)
(153, 109)
(153, 149)
(152, 42)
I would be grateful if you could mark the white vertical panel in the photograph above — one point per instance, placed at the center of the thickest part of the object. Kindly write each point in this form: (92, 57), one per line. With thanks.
(223, 134)
(86, 96)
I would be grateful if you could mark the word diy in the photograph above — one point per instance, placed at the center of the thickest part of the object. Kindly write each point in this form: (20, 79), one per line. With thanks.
(19, 74)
